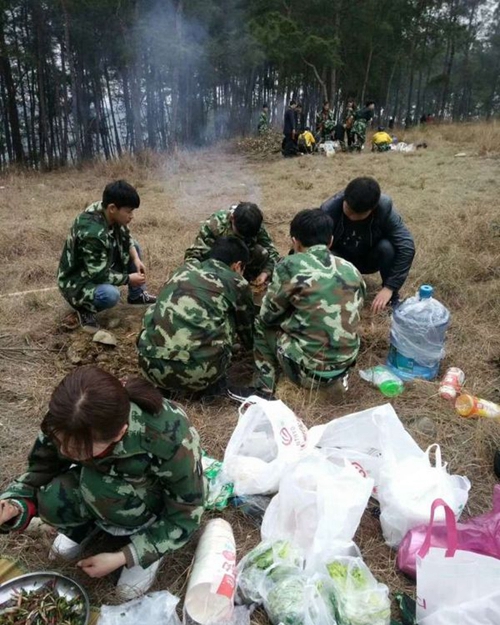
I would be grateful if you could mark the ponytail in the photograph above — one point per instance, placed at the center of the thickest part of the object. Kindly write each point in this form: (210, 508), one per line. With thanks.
(144, 394)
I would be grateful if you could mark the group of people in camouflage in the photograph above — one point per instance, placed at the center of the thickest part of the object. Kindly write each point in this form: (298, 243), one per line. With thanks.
(120, 457)
(350, 132)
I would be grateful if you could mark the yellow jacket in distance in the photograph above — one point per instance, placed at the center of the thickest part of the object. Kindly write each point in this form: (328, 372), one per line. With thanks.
(381, 137)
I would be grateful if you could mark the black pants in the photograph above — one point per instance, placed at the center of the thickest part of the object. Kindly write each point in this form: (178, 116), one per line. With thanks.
(379, 258)
(289, 146)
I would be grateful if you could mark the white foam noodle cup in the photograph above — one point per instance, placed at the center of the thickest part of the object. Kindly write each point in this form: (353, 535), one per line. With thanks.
(212, 584)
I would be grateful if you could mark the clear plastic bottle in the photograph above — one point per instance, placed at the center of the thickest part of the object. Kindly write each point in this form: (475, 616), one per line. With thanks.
(417, 336)
(386, 380)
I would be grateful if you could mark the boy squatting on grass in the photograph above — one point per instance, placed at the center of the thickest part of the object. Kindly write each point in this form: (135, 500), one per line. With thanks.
(307, 326)
(99, 255)
(245, 221)
(117, 459)
(186, 340)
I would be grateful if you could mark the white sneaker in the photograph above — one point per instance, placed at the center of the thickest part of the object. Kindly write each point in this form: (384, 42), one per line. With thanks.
(65, 548)
(136, 581)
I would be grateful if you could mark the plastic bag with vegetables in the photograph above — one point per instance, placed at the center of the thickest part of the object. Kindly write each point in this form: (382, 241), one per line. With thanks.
(294, 598)
(262, 565)
(360, 599)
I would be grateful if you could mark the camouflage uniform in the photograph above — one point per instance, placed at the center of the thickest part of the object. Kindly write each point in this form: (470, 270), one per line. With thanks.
(94, 254)
(149, 486)
(348, 123)
(186, 337)
(308, 320)
(263, 124)
(263, 254)
(325, 124)
(361, 120)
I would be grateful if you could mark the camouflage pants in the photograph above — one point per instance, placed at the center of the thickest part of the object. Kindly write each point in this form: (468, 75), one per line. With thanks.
(359, 133)
(383, 147)
(270, 359)
(258, 261)
(192, 377)
(82, 500)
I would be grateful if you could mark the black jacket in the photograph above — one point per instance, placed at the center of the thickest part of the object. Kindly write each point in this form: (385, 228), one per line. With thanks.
(386, 223)
(290, 123)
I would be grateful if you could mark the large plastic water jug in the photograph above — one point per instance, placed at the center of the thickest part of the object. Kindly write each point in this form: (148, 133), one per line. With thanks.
(417, 336)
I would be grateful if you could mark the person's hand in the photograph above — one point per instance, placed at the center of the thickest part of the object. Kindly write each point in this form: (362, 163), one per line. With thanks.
(8, 511)
(102, 564)
(139, 265)
(136, 279)
(261, 279)
(381, 300)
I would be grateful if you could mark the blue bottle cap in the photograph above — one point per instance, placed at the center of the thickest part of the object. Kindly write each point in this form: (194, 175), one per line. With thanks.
(426, 291)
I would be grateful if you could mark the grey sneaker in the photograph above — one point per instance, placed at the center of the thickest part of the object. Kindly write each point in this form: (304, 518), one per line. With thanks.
(144, 299)
(88, 321)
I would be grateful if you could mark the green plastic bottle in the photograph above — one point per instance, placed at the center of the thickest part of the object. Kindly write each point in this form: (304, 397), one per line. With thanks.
(388, 382)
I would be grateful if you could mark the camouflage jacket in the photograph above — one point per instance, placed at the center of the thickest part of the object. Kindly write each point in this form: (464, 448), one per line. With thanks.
(325, 122)
(316, 299)
(219, 225)
(199, 312)
(159, 456)
(263, 123)
(93, 254)
(350, 114)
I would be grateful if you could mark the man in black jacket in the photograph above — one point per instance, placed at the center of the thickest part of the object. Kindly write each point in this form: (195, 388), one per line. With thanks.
(289, 146)
(370, 234)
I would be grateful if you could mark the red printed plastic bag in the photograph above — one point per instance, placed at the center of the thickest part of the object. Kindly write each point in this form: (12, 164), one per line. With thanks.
(269, 437)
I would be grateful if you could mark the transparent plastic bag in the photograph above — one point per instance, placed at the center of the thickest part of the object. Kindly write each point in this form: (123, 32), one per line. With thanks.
(360, 599)
(257, 567)
(295, 598)
(155, 607)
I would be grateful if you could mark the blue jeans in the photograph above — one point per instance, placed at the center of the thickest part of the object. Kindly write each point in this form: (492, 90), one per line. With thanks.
(107, 295)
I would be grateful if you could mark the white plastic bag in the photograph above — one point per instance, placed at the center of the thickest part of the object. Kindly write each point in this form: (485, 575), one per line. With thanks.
(408, 489)
(456, 587)
(268, 438)
(362, 438)
(155, 607)
(318, 503)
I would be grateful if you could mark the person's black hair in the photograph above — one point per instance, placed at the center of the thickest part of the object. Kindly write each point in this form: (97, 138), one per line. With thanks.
(325, 103)
(362, 194)
(381, 128)
(248, 219)
(229, 250)
(299, 105)
(265, 105)
(292, 102)
(307, 129)
(369, 102)
(312, 226)
(121, 194)
(91, 406)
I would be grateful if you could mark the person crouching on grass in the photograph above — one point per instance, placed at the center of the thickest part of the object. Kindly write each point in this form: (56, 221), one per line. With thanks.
(99, 255)
(114, 458)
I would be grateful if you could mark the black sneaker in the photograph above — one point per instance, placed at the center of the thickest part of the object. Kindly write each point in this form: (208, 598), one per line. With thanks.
(88, 321)
(240, 394)
(144, 299)
(395, 302)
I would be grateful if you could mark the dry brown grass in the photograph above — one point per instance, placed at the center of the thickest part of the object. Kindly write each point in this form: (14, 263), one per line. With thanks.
(450, 204)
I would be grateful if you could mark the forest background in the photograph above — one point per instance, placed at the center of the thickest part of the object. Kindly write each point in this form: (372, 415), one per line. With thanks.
(81, 79)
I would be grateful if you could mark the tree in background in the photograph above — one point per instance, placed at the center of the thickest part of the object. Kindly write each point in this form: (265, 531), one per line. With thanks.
(81, 79)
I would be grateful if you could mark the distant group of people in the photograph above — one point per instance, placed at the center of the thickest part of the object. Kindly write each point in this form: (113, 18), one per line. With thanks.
(117, 457)
(350, 132)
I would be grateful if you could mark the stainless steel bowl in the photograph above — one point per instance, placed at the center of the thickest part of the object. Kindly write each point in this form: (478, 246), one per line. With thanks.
(34, 581)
